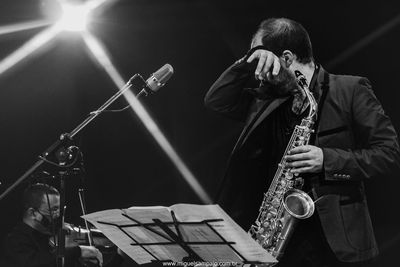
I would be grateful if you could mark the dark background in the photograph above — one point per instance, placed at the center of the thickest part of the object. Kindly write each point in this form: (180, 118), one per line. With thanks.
(55, 90)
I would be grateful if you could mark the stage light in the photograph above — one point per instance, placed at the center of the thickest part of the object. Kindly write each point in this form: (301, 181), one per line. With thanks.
(74, 17)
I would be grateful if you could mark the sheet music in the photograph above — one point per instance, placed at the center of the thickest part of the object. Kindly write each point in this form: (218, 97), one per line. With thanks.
(227, 228)
(131, 233)
(114, 233)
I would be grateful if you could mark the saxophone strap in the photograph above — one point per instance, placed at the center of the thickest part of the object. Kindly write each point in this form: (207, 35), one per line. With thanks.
(350, 193)
(321, 101)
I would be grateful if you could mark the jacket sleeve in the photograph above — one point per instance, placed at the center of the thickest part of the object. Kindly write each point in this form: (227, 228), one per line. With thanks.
(377, 149)
(229, 94)
(20, 251)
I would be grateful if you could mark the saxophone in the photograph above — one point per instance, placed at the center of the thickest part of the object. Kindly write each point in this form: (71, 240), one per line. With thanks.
(284, 202)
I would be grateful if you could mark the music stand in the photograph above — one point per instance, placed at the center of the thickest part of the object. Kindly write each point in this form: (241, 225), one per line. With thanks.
(151, 234)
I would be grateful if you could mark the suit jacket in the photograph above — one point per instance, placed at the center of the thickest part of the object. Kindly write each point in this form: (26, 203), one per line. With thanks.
(357, 139)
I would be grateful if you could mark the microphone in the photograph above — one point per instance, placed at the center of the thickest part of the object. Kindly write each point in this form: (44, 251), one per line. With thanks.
(160, 77)
(155, 81)
(150, 86)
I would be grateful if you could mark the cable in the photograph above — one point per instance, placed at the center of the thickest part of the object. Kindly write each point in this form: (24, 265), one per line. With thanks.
(63, 166)
(110, 111)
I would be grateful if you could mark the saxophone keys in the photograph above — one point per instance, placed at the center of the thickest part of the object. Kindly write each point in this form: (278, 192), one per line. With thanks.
(263, 214)
(272, 213)
(276, 203)
(266, 240)
(299, 182)
(288, 175)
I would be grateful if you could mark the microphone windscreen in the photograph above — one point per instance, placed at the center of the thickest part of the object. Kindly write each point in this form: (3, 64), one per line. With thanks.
(160, 77)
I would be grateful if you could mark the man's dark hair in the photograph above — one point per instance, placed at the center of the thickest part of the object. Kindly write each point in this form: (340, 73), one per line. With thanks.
(280, 34)
(34, 194)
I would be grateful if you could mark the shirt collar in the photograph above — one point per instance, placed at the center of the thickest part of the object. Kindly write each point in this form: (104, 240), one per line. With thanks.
(314, 78)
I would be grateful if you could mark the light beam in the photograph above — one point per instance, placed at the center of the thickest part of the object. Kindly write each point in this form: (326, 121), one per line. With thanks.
(24, 26)
(349, 52)
(38, 41)
(101, 57)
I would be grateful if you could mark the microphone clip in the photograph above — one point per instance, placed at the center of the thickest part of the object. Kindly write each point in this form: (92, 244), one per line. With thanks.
(139, 85)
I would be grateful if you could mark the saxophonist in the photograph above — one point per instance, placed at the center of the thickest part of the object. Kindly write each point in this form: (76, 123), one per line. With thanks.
(354, 141)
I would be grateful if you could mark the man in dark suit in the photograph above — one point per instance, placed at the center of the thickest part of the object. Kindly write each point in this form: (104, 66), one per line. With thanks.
(29, 243)
(354, 141)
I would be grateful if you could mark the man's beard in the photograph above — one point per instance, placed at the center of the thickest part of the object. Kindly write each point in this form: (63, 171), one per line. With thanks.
(283, 84)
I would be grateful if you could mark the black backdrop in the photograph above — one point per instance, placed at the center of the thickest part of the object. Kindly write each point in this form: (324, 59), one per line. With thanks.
(55, 90)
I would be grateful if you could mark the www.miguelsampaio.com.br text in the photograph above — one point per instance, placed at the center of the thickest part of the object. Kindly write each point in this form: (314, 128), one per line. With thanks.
(200, 264)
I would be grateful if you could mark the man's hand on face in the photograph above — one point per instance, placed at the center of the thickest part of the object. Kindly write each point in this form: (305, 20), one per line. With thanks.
(268, 64)
(91, 254)
(305, 159)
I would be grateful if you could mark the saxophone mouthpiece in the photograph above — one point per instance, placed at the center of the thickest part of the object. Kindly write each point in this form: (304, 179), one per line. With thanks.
(298, 73)
(301, 79)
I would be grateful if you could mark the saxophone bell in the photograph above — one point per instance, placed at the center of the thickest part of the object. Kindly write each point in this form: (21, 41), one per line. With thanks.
(298, 203)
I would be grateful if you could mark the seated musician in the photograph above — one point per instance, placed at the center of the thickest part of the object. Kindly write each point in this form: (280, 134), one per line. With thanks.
(29, 243)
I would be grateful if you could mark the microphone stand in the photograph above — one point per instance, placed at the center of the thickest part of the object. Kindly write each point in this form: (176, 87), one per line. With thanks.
(68, 136)
(62, 142)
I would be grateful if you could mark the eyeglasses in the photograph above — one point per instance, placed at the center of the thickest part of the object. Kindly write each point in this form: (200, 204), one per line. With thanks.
(54, 210)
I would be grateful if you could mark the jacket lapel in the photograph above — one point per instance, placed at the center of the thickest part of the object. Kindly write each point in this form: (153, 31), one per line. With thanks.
(321, 90)
(265, 110)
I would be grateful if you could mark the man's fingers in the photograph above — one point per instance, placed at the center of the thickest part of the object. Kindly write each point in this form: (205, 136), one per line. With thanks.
(301, 170)
(261, 63)
(100, 258)
(268, 63)
(277, 66)
(251, 58)
(89, 253)
(299, 156)
(305, 159)
(300, 163)
(300, 149)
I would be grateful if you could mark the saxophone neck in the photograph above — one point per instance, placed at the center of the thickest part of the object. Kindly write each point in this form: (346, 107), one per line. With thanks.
(302, 81)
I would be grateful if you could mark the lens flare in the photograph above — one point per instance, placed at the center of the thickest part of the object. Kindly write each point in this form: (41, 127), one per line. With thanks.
(74, 17)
